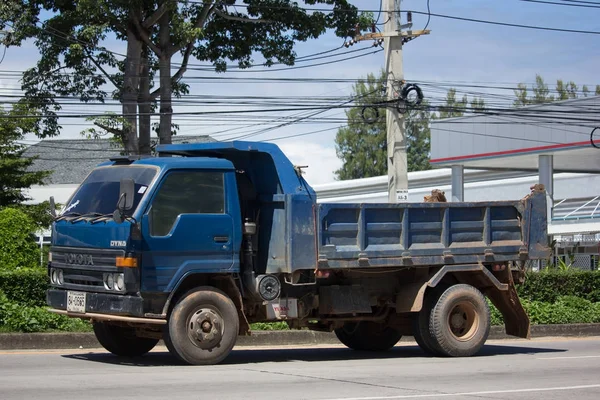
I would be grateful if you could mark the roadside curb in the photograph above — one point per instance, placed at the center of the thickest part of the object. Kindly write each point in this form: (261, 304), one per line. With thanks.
(67, 340)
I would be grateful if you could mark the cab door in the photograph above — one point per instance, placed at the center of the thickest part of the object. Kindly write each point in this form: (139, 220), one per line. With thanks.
(188, 228)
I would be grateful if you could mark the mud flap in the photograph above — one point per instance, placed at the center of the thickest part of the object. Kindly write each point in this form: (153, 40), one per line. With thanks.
(516, 320)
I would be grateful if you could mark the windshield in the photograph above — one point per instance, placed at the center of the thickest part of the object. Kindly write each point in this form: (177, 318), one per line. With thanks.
(99, 193)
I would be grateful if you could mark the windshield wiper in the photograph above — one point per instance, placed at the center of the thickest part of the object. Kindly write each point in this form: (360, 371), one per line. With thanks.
(69, 214)
(99, 217)
(84, 216)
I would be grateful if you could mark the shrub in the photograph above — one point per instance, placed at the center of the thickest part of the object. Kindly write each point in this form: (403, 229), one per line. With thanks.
(549, 286)
(25, 286)
(15, 317)
(565, 310)
(17, 245)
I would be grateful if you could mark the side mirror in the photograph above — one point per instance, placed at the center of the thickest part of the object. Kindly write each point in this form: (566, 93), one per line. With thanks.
(125, 202)
(52, 207)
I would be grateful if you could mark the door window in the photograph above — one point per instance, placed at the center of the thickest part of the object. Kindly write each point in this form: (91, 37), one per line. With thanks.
(186, 192)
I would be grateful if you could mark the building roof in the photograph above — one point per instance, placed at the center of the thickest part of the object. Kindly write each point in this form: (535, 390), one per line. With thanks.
(71, 160)
(514, 138)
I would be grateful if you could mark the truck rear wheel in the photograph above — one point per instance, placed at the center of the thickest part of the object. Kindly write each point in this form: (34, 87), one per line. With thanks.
(368, 336)
(121, 340)
(459, 321)
(203, 327)
(420, 325)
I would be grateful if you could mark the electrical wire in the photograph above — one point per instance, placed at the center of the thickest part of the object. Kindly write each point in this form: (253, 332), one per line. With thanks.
(562, 4)
(428, 15)
(3, 54)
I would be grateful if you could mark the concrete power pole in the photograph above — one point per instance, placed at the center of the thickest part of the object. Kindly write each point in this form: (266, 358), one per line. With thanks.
(393, 38)
(396, 135)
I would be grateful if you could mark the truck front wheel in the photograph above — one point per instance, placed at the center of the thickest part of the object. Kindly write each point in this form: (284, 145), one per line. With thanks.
(368, 336)
(203, 327)
(459, 321)
(121, 340)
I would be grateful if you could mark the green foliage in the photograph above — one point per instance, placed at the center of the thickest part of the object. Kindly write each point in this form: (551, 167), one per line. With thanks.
(15, 317)
(362, 146)
(269, 326)
(39, 213)
(547, 286)
(14, 174)
(453, 107)
(25, 286)
(18, 248)
(564, 310)
(541, 93)
(153, 31)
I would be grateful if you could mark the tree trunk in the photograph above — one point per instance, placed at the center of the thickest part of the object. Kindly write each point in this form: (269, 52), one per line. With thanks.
(130, 89)
(166, 109)
(144, 104)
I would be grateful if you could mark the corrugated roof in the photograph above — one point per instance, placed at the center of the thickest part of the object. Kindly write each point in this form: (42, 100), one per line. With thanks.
(71, 160)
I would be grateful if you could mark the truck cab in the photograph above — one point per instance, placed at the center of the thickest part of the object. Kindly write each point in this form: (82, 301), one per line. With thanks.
(193, 246)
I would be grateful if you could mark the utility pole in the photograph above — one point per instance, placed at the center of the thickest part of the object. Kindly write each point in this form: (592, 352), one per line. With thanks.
(393, 39)
(396, 135)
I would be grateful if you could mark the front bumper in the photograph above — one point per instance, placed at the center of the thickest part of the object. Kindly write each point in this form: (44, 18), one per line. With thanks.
(100, 303)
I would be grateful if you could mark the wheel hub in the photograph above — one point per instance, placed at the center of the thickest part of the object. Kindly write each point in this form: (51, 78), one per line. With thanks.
(463, 321)
(205, 328)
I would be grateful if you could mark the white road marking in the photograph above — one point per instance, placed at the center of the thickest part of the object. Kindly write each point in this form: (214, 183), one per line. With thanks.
(434, 395)
(567, 358)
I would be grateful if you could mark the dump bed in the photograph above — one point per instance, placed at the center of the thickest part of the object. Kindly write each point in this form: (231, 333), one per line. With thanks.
(427, 234)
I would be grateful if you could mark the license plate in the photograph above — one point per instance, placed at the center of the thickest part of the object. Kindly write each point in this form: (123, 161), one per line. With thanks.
(76, 302)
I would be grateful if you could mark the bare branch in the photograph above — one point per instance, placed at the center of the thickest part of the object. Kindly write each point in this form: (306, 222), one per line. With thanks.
(184, 63)
(153, 19)
(243, 19)
(97, 64)
(180, 71)
(107, 128)
(143, 34)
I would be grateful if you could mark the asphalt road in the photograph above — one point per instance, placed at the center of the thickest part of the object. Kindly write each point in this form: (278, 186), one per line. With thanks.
(540, 369)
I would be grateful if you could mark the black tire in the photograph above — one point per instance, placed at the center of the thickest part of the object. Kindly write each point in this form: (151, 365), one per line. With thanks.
(203, 327)
(420, 325)
(121, 340)
(367, 336)
(459, 322)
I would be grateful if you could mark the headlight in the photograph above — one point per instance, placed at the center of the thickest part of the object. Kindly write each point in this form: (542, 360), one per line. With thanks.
(53, 276)
(60, 279)
(120, 282)
(109, 281)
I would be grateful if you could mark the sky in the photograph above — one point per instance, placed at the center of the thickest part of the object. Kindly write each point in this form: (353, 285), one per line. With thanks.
(454, 52)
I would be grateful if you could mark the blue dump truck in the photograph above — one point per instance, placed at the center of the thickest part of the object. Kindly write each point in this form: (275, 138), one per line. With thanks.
(194, 246)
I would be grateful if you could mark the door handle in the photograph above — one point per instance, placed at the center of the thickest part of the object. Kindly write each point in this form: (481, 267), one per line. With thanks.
(221, 239)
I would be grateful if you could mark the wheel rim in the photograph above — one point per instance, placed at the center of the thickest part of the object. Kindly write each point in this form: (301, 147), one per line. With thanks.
(205, 328)
(463, 321)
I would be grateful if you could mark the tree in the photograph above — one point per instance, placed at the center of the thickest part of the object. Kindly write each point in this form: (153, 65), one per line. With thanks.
(542, 94)
(453, 107)
(362, 143)
(17, 245)
(14, 177)
(73, 61)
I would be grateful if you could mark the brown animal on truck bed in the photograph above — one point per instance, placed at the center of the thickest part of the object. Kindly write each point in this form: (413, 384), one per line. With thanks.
(437, 196)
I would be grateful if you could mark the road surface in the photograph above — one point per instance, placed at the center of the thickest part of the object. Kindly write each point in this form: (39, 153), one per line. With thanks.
(541, 369)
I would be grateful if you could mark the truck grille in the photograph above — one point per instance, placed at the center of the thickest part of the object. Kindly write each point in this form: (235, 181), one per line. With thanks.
(83, 268)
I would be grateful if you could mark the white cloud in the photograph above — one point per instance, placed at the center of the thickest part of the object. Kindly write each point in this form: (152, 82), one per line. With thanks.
(321, 160)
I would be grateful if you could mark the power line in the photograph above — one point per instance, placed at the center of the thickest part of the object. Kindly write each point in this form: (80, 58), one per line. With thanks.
(563, 4)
